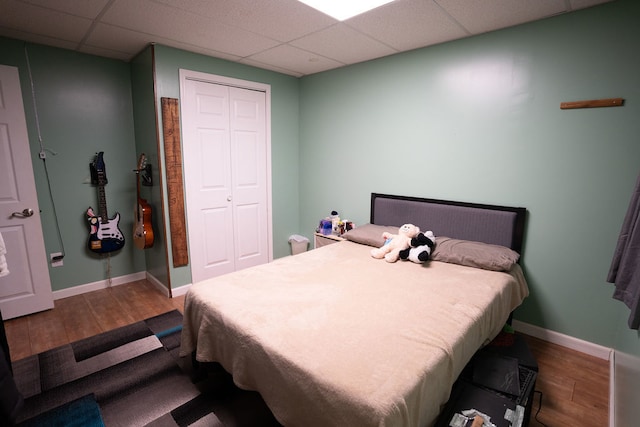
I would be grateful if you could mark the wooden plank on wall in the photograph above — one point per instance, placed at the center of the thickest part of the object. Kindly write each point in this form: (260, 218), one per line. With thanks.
(592, 103)
(175, 189)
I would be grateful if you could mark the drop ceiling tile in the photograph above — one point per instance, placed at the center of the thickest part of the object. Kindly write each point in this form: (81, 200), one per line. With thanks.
(281, 20)
(85, 8)
(343, 44)
(42, 22)
(118, 39)
(257, 64)
(154, 19)
(108, 37)
(488, 15)
(256, 32)
(107, 53)
(294, 59)
(37, 39)
(408, 24)
(201, 50)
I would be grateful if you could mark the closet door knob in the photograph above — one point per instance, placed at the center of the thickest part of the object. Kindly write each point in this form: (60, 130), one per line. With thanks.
(228, 198)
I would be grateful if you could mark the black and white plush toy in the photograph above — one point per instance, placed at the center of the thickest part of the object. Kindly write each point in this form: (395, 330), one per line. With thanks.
(421, 247)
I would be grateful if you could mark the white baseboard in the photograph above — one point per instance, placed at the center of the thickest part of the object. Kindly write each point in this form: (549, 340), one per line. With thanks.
(169, 293)
(180, 290)
(158, 284)
(577, 344)
(95, 286)
(162, 288)
(121, 280)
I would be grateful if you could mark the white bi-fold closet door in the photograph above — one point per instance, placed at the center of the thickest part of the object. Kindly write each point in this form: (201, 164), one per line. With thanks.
(227, 173)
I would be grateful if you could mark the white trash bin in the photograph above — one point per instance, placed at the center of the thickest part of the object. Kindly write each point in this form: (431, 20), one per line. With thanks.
(298, 243)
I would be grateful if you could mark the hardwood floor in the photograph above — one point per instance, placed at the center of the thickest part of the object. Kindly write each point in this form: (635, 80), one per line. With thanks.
(85, 315)
(574, 385)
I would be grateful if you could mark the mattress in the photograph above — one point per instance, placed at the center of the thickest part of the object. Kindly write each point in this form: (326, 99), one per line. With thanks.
(333, 337)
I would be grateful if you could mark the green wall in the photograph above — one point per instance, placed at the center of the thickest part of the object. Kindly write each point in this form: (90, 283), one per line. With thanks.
(84, 106)
(479, 120)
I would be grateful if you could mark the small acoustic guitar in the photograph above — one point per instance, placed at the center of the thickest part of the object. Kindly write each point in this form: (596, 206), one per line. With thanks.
(105, 235)
(142, 228)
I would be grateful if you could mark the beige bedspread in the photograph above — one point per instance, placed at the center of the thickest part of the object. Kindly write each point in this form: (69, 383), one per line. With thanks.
(333, 337)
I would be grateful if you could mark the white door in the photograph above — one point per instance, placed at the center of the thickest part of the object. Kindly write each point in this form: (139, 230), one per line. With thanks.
(249, 177)
(27, 287)
(225, 151)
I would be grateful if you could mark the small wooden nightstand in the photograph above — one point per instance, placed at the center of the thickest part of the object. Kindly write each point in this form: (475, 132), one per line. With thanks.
(320, 239)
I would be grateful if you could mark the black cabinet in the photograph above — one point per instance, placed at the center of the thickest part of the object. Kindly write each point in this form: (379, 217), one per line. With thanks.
(497, 384)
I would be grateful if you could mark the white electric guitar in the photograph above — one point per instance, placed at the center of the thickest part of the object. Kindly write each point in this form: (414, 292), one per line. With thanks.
(104, 236)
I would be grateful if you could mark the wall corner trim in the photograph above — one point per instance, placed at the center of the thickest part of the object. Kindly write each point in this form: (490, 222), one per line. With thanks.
(612, 389)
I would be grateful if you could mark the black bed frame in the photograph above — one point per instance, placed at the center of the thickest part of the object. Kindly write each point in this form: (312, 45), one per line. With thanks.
(500, 225)
(494, 224)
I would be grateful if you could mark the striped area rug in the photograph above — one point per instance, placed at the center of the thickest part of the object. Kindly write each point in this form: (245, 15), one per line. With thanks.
(132, 376)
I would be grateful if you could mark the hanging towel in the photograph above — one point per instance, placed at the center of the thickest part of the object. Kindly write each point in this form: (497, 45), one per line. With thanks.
(4, 270)
(625, 266)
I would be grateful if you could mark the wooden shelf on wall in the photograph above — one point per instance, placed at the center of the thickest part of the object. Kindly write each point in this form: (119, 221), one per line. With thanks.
(592, 103)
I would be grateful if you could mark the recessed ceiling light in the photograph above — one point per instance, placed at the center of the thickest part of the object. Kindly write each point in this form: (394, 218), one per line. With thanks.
(341, 9)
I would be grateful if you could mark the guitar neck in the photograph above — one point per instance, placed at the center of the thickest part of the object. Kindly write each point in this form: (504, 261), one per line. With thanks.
(102, 205)
(137, 210)
(138, 183)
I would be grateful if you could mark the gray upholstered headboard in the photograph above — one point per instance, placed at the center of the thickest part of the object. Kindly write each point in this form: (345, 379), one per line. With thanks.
(499, 225)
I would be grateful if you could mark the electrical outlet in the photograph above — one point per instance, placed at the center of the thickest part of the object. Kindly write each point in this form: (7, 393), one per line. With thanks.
(56, 259)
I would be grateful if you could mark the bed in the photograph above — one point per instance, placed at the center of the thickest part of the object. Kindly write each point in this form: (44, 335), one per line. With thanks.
(334, 337)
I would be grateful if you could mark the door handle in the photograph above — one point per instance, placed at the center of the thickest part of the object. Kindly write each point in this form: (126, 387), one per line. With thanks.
(24, 214)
